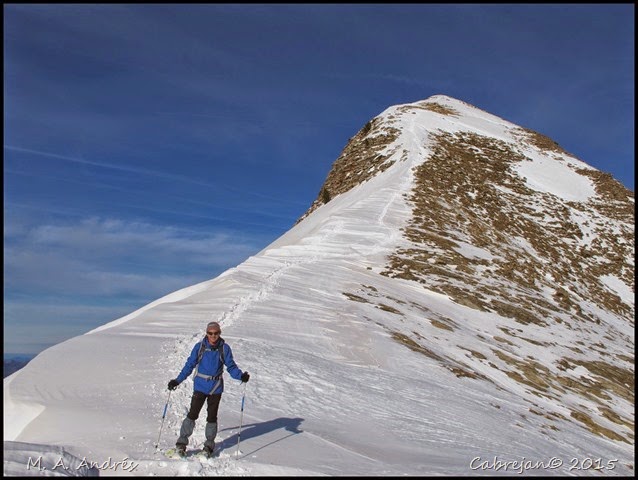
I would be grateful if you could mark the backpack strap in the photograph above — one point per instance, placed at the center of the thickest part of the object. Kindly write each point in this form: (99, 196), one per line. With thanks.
(220, 349)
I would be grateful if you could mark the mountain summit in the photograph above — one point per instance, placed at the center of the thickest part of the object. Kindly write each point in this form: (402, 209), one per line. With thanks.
(458, 297)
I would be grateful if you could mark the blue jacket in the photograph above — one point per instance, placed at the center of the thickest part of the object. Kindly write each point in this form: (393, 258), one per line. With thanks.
(210, 366)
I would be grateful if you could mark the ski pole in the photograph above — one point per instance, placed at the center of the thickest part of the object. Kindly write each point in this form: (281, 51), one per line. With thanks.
(241, 418)
(163, 417)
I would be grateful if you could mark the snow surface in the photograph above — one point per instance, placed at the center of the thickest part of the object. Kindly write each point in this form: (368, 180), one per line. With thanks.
(330, 392)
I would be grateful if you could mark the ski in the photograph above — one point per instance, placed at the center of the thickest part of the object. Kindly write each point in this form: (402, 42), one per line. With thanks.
(175, 454)
(202, 455)
(199, 454)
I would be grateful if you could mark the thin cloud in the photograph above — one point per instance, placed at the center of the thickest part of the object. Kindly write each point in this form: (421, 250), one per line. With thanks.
(111, 257)
(251, 208)
(137, 170)
(113, 166)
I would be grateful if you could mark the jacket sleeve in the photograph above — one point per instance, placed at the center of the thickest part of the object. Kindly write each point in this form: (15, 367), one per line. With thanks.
(231, 366)
(189, 366)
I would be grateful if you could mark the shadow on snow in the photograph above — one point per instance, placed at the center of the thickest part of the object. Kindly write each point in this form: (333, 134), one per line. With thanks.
(253, 430)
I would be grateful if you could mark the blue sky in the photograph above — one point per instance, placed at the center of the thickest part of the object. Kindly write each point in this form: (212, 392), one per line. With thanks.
(151, 147)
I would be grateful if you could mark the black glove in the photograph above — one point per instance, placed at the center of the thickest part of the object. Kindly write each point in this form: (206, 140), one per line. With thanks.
(172, 385)
(245, 377)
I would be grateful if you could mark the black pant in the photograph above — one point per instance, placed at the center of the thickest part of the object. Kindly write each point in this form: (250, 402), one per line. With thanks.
(197, 402)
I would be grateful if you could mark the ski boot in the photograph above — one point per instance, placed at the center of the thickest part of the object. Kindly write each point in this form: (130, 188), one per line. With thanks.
(207, 451)
(180, 450)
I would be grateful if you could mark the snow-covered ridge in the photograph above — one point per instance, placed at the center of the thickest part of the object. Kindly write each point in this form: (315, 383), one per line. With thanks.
(373, 329)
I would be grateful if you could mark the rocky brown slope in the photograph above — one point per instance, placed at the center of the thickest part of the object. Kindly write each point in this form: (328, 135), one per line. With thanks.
(541, 267)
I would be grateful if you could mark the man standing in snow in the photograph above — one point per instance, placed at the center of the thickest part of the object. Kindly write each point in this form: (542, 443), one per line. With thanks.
(208, 358)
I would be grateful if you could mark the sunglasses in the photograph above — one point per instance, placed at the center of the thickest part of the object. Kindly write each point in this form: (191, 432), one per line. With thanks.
(213, 333)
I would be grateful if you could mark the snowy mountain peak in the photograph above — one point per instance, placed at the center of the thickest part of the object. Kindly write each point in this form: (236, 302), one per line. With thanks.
(408, 129)
(504, 221)
(460, 291)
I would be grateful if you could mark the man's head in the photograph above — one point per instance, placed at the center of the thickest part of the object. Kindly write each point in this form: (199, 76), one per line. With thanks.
(213, 331)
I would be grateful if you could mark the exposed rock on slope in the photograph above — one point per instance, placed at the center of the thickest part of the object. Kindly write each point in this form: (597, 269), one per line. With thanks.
(494, 229)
